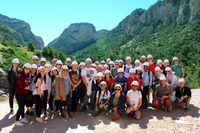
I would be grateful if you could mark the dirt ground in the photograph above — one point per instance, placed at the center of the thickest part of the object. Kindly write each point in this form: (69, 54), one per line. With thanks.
(152, 120)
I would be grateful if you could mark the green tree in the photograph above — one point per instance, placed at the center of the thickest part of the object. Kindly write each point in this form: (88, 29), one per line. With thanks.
(31, 46)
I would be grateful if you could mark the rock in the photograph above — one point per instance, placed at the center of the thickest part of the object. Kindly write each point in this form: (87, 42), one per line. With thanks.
(23, 29)
(75, 37)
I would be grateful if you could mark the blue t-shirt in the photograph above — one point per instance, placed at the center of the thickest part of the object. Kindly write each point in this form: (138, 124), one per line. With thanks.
(66, 86)
(121, 81)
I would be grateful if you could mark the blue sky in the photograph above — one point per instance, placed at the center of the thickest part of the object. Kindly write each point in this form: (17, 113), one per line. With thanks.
(49, 18)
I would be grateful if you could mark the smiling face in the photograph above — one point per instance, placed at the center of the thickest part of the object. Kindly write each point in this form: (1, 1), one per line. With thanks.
(182, 84)
(89, 64)
(166, 64)
(43, 63)
(69, 63)
(26, 70)
(54, 72)
(137, 64)
(134, 87)
(163, 82)
(158, 72)
(117, 89)
(42, 72)
(168, 73)
(15, 65)
(107, 75)
(33, 70)
(48, 69)
(146, 68)
(58, 66)
(82, 66)
(160, 64)
(65, 71)
(35, 61)
(116, 65)
(75, 66)
(103, 86)
(128, 61)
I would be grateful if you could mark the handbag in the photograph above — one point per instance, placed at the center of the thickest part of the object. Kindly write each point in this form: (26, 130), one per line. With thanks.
(115, 115)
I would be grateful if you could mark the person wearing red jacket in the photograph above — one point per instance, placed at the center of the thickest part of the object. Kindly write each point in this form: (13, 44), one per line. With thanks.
(132, 78)
(22, 89)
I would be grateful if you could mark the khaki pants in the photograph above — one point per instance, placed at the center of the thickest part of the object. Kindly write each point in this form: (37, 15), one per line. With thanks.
(186, 101)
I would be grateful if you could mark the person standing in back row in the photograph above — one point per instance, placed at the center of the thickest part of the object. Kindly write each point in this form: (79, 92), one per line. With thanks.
(128, 66)
(178, 68)
(142, 60)
(69, 65)
(114, 70)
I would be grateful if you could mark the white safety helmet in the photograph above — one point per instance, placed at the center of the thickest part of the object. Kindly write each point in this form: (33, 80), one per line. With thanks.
(15, 61)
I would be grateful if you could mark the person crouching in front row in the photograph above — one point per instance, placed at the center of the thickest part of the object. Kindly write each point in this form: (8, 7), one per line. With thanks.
(63, 91)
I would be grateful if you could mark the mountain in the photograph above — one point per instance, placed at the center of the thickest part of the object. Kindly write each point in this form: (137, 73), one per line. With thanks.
(10, 34)
(76, 37)
(23, 29)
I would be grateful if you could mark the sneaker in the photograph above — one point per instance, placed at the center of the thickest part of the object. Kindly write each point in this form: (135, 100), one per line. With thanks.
(18, 123)
(185, 108)
(56, 112)
(38, 119)
(65, 108)
(31, 113)
(27, 112)
(52, 112)
(24, 120)
(62, 116)
(165, 109)
(11, 112)
(69, 115)
(46, 115)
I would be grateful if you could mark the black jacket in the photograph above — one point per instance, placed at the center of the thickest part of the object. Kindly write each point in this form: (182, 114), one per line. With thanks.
(12, 78)
(121, 101)
(187, 91)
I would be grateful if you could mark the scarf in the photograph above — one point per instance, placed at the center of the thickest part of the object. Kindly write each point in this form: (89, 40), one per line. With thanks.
(66, 76)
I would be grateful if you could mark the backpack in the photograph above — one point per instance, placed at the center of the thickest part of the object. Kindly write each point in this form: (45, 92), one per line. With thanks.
(102, 101)
(125, 67)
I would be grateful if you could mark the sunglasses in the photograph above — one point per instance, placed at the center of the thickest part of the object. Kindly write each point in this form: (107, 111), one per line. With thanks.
(65, 70)
(150, 59)
(42, 71)
(27, 68)
(134, 86)
(36, 60)
(117, 89)
(132, 73)
(116, 64)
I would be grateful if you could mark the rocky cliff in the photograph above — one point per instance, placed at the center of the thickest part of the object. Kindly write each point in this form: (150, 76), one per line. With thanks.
(23, 29)
(75, 37)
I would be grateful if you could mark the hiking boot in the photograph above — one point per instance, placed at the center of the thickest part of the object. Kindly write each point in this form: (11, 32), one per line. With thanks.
(19, 123)
(63, 116)
(38, 119)
(69, 115)
(24, 120)
(11, 112)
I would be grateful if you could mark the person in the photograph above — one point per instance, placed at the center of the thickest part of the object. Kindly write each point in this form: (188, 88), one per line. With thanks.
(139, 72)
(69, 65)
(117, 100)
(63, 91)
(137, 64)
(12, 79)
(111, 65)
(96, 63)
(75, 80)
(121, 64)
(55, 73)
(162, 94)
(152, 65)
(102, 99)
(109, 80)
(178, 68)
(54, 62)
(121, 79)
(100, 78)
(99, 69)
(171, 78)
(162, 67)
(115, 69)
(38, 94)
(132, 78)
(156, 80)
(29, 103)
(134, 101)
(103, 63)
(142, 60)
(59, 65)
(22, 89)
(35, 60)
(47, 89)
(108, 60)
(127, 67)
(105, 67)
(146, 83)
(81, 87)
(93, 66)
(88, 74)
(166, 63)
(43, 62)
(183, 94)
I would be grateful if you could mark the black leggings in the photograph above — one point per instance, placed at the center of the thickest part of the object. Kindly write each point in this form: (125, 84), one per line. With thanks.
(68, 102)
(45, 100)
(144, 96)
(74, 101)
(29, 102)
(21, 100)
(11, 96)
(51, 101)
(39, 104)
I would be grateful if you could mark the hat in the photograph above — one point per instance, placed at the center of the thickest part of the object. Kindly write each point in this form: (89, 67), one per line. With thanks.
(82, 63)
(68, 59)
(121, 61)
(159, 61)
(107, 71)
(134, 83)
(15, 61)
(182, 80)
(58, 62)
(116, 61)
(96, 62)
(103, 82)
(163, 78)
(64, 67)
(103, 62)
(34, 66)
(132, 70)
(27, 65)
(146, 64)
(175, 58)
(111, 62)
(139, 68)
(105, 65)
(47, 65)
(88, 60)
(137, 61)
(99, 66)
(149, 56)
(40, 68)
(120, 70)
(108, 59)
(43, 59)
(54, 68)
(100, 74)
(128, 58)
(74, 63)
(34, 57)
(168, 69)
(143, 57)
(93, 65)
(157, 68)
(166, 60)
(54, 59)
(118, 85)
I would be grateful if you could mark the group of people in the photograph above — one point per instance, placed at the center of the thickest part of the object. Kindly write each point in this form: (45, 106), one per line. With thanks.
(110, 87)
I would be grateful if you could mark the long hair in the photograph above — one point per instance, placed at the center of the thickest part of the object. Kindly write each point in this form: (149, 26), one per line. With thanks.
(39, 76)
(140, 72)
(16, 68)
(53, 77)
(34, 73)
(109, 76)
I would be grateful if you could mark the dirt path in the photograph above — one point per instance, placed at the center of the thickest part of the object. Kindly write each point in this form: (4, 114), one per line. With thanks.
(151, 121)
